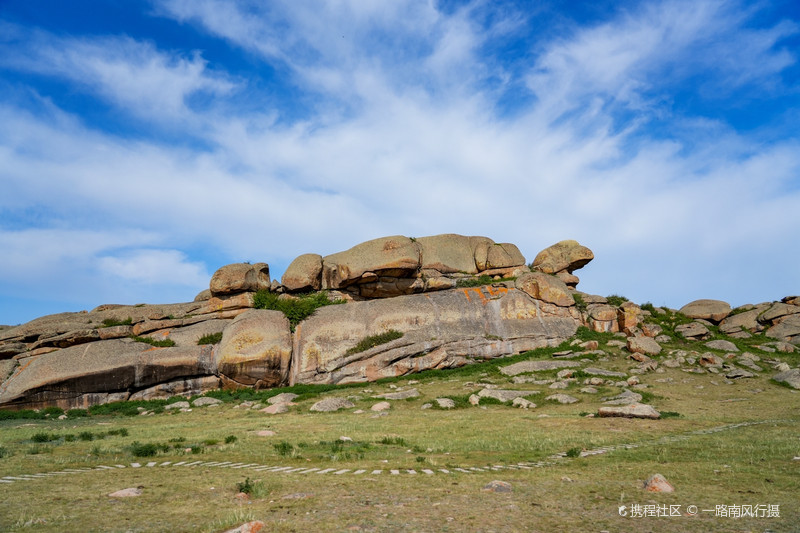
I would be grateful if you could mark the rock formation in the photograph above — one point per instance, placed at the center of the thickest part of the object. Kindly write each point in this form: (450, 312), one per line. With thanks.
(446, 300)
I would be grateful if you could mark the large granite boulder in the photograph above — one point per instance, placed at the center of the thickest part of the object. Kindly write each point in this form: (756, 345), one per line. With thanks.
(565, 256)
(713, 310)
(303, 274)
(255, 350)
(440, 330)
(395, 256)
(546, 288)
(91, 373)
(240, 277)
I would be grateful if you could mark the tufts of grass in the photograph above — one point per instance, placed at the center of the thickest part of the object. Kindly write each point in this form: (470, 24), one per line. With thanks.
(394, 441)
(77, 413)
(670, 414)
(297, 308)
(4, 452)
(478, 281)
(574, 452)
(166, 343)
(212, 338)
(255, 489)
(42, 437)
(283, 448)
(111, 322)
(129, 408)
(616, 300)
(580, 303)
(230, 439)
(374, 340)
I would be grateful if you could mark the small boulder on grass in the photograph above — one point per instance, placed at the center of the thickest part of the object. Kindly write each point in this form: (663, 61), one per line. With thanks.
(276, 409)
(445, 403)
(206, 401)
(250, 527)
(497, 486)
(332, 404)
(127, 493)
(658, 483)
(634, 410)
(381, 406)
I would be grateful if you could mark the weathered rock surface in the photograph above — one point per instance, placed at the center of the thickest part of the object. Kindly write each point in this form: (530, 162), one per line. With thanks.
(713, 310)
(304, 273)
(724, 345)
(789, 377)
(563, 256)
(504, 395)
(635, 410)
(658, 483)
(546, 288)
(256, 350)
(643, 345)
(693, 330)
(441, 330)
(524, 367)
(81, 375)
(240, 277)
(332, 404)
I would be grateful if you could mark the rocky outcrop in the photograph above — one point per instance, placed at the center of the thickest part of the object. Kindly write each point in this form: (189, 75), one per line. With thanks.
(712, 310)
(440, 330)
(256, 350)
(398, 265)
(240, 277)
(562, 259)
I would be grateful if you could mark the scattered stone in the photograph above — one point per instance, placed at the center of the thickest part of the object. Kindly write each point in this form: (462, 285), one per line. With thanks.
(724, 345)
(651, 330)
(789, 377)
(561, 398)
(332, 404)
(663, 338)
(176, 405)
(504, 395)
(588, 390)
(297, 496)
(474, 399)
(693, 330)
(522, 403)
(284, 397)
(524, 367)
(643, 345)
(713, 310)
(206, 401)
(127, 493)
(249, 527)
(603, 372)
(559, 385)
(710, 360)
(426, 406)
(276, 409)
(445, 403)
(626, 397)
(381, 406)
(497, 486)
(737, 373)
(266, 433)
(634, 410)
(616, 343)
(658, 483)
(403, 395)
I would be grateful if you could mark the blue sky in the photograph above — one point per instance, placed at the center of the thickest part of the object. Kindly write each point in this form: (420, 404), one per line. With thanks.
(144, 144)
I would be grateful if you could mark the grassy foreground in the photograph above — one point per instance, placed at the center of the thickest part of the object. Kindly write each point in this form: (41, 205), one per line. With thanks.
(749, 465)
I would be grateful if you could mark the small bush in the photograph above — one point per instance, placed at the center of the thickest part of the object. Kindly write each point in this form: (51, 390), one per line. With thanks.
(4, 452)
(245, 486)
(166, 343)
(77, 413)
(138, 449)
(580, 303)
(211, 442)
(52, 411)
(86, 436)
(647, 306)
(574, 452)
(374, 340)
(283, 448)
(296, 309)
(42, 437)
(670, 414)
(212, 338)
(393, 441)
(21, 414)
(121, 432)
(110, 322)
(616, 300)
(230, 439)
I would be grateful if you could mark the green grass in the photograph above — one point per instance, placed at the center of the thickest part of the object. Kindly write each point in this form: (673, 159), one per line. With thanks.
(296, 308)
(616, 300)
(111, 322)
(478, 281)
(166, 343)
(374, 340)
(211, 338)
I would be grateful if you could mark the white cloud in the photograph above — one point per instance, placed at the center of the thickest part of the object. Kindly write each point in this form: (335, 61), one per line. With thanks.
(131, 74)
(154, 267)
